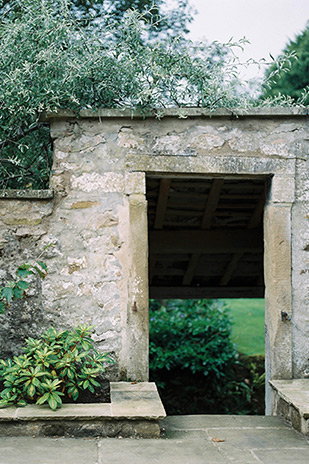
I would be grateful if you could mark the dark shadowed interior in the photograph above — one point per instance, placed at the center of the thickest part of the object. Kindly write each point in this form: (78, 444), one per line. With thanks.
(206, 237)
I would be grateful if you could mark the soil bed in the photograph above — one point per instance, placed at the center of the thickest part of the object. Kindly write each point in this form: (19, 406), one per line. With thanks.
(242, 391)
(101, 394)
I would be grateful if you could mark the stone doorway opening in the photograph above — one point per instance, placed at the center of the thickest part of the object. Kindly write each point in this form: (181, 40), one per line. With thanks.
(206, 237)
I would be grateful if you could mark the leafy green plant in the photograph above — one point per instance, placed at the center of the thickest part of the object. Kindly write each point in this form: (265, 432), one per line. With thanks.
(191, 334)
(57, 365)
(16, 288)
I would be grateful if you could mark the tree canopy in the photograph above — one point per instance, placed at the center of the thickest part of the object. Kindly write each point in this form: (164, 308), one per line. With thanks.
(291, 80)
(172, 21)
(49, 60)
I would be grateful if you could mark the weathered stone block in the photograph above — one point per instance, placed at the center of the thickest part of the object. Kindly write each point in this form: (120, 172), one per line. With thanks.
(127, 139)
(22, 221)
(135, 182)
(283, 408)
(282, 189)
(108, 182)
(295, 419)
(84, 204)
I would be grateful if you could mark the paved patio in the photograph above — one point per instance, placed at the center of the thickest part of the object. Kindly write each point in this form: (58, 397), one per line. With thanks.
(186, 440)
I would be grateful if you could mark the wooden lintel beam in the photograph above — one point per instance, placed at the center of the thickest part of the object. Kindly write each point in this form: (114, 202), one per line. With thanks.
(230, 268)
(257, 213)
(202, 272)
(205, 292)
(187, 279)
(212, 202)
(165, 185)
(205, 241)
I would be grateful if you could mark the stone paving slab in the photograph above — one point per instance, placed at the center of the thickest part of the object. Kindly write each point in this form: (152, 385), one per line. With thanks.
(286, 456)
(252, 438)
(47, 451)
(187, 440)
(178, 449)
(205, 421)
(133, 386)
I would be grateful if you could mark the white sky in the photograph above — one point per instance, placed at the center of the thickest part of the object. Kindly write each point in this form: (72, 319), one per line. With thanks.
(267, 24)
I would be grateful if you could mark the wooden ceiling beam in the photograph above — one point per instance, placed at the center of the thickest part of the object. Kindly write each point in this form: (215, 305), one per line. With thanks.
(212, 269)
(212, 203)
(165, 185)
(239, 196)
(205, 292)
(205, 241)
(230, 269)
(187, 279)
(208, 258)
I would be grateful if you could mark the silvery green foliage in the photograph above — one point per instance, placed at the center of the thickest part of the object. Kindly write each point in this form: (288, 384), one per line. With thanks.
(47, 62)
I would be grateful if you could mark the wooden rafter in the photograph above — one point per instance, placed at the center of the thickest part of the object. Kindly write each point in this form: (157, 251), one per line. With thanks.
(256, 258)
(212, 203)
(257, 213)
(206, 292)
(187, 279)
(205, 241)
(165, 185)
(205, 271)
(230, 268)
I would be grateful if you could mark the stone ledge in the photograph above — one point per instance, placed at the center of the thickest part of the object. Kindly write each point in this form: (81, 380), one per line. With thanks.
(134, 411)
(27, 194)
(272, 112)
(290, 400)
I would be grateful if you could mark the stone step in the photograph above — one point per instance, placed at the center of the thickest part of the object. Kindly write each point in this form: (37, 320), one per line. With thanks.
(134, 411)
(290, 400)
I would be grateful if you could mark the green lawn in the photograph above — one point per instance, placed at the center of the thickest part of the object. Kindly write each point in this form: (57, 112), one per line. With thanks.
(248, 328)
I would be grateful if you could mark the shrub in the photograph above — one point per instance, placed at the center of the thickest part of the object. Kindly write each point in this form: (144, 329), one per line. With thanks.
(58, 364)
(193, 334)
(195, 364)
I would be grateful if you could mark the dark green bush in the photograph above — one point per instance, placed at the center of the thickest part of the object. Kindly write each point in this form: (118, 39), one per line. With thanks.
(195, 364)
(59, 364)
(191, 334)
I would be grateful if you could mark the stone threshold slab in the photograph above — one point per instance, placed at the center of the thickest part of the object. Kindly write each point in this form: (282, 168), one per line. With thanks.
(134, 411)
(290, 399)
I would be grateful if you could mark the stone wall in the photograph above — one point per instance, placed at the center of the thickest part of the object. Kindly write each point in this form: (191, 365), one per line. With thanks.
(98, 225)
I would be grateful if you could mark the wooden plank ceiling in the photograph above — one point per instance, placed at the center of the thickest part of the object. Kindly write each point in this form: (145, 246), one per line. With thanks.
(205, 237)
